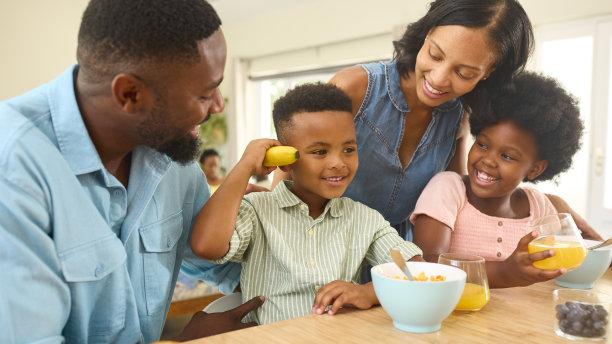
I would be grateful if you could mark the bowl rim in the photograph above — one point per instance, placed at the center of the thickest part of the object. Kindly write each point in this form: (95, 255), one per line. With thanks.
(462, 274)
(589, 243)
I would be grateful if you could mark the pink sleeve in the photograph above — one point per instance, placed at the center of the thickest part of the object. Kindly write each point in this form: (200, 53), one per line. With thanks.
(541, 205)
(441, 199)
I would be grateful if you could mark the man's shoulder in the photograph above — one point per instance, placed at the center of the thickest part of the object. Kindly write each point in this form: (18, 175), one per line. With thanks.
(21, 137)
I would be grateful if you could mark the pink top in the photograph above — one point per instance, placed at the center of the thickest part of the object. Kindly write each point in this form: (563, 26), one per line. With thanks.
(494, 238)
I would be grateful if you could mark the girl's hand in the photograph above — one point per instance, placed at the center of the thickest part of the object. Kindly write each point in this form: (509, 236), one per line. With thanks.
(253, 156)
(519, 268)
(341, 293)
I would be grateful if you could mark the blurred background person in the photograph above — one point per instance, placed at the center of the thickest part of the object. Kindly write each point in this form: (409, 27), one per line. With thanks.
(211, 165)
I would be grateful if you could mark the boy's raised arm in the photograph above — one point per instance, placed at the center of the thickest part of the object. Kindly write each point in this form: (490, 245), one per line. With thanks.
(215, 223)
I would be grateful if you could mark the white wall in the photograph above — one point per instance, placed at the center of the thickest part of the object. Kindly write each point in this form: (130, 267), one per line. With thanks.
(38, 40)
(38, 37)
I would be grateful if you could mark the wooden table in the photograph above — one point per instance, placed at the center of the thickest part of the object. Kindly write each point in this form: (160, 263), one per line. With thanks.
(513, 315)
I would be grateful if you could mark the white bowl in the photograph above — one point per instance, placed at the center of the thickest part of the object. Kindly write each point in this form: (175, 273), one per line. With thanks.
(224, 303)
(418, 306)
(592, 268)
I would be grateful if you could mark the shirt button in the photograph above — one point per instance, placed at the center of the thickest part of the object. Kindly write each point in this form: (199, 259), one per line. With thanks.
(98, 271)
(500, 223)
(311, 232)
(117, 193)
(498, 254)
(317, 287)
(499, 239)
(168, 242)
(312, 262)
(302, 207)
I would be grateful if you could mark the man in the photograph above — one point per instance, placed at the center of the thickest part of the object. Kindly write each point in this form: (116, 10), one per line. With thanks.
(98, 182)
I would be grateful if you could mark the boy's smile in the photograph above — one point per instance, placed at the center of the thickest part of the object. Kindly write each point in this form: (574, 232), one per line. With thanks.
(328, 155)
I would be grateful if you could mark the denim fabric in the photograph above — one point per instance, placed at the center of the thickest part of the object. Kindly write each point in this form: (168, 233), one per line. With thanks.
(381, 182)
(84, 259)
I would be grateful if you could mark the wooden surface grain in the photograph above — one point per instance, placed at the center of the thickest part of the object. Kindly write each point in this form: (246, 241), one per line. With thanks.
(513, 315)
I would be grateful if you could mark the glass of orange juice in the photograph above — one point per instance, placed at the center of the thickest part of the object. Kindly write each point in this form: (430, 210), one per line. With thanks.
(560, 233)
(476, 292)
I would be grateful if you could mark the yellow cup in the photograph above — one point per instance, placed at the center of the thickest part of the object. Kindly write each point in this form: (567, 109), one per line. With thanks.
(476, 292)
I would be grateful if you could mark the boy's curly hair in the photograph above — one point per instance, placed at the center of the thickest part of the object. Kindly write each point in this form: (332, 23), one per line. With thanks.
(540, 105)
(312, 97)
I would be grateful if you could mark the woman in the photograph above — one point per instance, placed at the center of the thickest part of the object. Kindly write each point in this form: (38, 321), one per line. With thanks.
(411, 112)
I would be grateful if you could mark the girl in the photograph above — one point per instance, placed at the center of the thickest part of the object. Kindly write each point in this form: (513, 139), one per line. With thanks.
(531, 135)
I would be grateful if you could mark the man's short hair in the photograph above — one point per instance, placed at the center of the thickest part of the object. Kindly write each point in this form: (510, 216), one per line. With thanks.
(129, 32)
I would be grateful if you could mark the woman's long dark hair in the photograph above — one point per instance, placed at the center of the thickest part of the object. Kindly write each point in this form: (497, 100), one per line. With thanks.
(508, 27)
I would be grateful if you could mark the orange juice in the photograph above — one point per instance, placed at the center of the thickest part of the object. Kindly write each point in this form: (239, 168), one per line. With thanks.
(474, 297)
(568, 255)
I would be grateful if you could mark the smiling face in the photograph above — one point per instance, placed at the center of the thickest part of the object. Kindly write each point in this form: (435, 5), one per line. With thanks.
(186, 97)
(328, 155)
(452, 60)
(502, 156)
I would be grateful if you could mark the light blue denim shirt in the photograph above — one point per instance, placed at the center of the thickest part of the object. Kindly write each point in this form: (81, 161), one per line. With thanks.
(83, 259)
(381, 182)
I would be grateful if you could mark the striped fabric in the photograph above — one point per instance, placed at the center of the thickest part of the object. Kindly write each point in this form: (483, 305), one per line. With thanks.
(287, 256)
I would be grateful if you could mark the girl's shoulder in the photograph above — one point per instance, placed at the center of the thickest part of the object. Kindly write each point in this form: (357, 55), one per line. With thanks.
(448, 182)
(539, 204)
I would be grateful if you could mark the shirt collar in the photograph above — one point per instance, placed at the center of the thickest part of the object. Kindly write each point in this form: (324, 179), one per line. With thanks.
(72, 136)
(394, 89)
(287, 199)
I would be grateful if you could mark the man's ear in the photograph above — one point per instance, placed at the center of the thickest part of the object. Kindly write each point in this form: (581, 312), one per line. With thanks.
(129, 92)
(538, 168)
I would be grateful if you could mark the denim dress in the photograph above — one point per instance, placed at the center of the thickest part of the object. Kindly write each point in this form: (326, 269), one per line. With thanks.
(381, 182)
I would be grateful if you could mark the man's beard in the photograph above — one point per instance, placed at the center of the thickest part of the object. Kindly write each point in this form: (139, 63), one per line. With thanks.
(183, 150)
(156, 130)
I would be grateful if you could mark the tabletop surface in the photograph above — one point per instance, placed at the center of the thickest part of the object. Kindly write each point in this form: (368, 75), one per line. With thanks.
(513, 315)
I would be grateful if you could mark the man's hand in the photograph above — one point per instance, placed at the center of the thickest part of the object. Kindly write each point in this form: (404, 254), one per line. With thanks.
(204, 324)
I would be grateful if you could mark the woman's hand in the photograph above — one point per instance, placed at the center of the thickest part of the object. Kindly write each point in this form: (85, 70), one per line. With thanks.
(518, 270)
(341, 293)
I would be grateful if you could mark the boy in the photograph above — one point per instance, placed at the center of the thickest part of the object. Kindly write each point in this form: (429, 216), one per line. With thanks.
(300, 242)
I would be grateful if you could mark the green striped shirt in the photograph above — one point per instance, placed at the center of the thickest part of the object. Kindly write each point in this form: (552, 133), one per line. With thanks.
(287, 255)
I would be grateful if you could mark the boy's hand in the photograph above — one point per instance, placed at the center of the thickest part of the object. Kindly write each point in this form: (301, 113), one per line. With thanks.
(253, 156)
(204, 324)
(519, 266)
(341, 293)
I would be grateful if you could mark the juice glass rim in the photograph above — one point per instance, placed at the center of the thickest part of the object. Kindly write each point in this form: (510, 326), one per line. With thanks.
(544, 220)
(460, 257)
